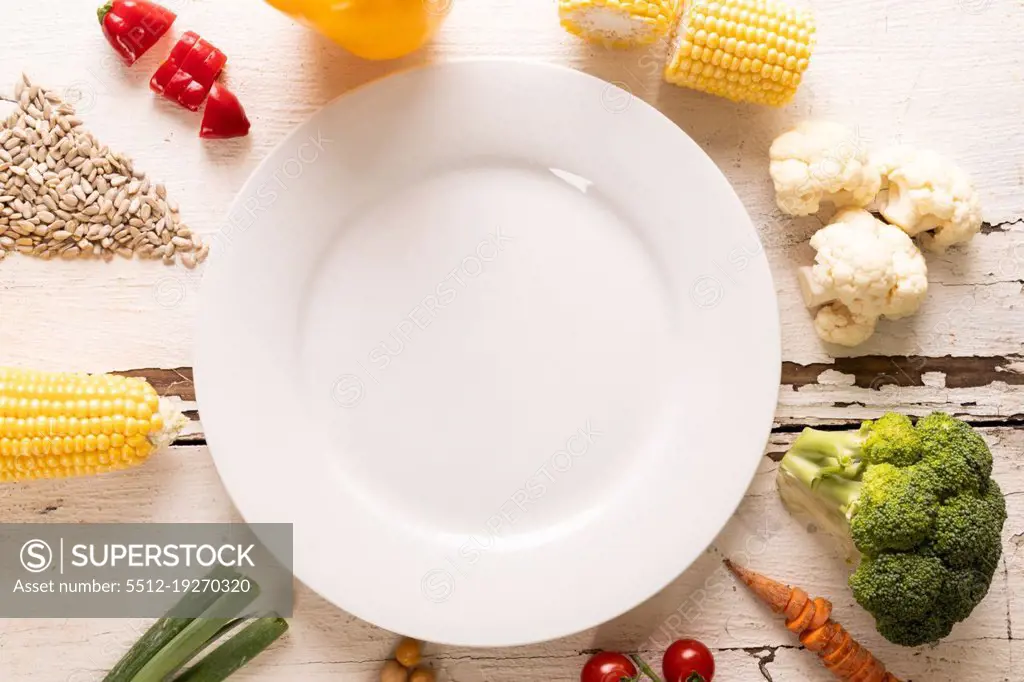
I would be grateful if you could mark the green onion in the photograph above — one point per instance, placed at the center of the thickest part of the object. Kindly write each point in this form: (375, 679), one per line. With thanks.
(172, 642)
(237, 651)
(163, 631)
(195, 637)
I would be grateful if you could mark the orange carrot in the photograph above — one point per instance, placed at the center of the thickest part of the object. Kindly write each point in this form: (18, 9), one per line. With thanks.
(810, 620)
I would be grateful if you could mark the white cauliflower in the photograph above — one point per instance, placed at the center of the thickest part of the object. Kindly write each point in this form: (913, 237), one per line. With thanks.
(928, 192)
(864, 269)
(836, 324)
(820, 161)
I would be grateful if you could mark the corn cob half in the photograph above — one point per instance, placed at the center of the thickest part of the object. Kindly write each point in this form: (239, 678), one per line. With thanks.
(619, 23)
(55, 425)
(744, 50)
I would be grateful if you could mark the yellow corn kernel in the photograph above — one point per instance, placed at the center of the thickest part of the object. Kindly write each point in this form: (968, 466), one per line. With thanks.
(768, 42)
(619, 23)
(144, 450)
(55, 425)
(143, 412)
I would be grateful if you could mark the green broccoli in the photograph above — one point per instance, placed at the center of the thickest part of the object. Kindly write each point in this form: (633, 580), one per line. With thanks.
(918, 503)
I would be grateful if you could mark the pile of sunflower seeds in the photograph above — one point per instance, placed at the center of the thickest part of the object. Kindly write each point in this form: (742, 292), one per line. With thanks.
(63, 194)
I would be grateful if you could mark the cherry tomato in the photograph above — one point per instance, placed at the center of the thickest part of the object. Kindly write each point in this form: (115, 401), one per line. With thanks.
(684, 659)
(607, 666)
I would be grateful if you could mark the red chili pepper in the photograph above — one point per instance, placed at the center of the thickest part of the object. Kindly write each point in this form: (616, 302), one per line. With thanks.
(134, 26)
(189, 71)
(224, 116)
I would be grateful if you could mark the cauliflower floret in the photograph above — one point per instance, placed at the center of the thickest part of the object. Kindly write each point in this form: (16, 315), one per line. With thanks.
(927, 191)
(836, 324)
(864, 269)
(820, 161)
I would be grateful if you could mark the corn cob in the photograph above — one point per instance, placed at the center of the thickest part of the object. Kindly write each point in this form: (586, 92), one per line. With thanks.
(619, 23)
(744, 50)
(55, 425)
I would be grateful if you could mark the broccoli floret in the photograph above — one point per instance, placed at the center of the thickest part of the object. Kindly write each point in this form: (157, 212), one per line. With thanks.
(918, 503)
(957, 454)
(915, 632)
(896, 510)
(961, 591)
(965, 588)
(913, 597)
(899, 586)
(968, 529)
(891, 439)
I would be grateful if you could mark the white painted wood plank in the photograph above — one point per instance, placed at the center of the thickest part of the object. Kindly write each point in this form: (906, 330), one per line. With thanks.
(917, 73)
(704, 602)
(832, 404)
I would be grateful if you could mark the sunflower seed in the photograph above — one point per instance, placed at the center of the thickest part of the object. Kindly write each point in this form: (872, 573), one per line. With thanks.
(64, 194)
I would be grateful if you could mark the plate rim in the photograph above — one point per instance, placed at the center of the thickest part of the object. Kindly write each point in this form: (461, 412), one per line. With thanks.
(765, 421)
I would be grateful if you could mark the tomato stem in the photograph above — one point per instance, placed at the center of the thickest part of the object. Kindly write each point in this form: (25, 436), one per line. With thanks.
(694, 677)
(644, 668)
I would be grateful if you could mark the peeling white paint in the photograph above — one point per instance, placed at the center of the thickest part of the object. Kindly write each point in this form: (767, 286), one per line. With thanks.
(830, 377)
(1016, 367)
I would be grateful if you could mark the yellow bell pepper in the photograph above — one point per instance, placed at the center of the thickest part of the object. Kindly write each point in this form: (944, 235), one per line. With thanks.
(372, 29)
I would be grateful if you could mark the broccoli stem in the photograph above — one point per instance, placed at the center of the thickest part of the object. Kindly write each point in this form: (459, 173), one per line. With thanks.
(842, 446)
(828, 465)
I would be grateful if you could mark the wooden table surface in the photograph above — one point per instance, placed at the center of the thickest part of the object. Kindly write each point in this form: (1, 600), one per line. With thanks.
(947, 74)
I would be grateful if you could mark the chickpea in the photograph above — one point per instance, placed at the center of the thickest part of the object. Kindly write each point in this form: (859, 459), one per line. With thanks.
(408, 652)
(422, 675)
(393, 671)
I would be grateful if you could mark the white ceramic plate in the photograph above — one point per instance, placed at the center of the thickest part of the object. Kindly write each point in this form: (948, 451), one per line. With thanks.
(501, 343)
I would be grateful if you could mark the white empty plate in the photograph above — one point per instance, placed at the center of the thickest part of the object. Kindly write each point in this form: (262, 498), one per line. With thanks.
(499, 340)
